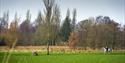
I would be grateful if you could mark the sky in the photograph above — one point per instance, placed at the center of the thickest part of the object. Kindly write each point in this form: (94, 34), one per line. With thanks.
(115, 9)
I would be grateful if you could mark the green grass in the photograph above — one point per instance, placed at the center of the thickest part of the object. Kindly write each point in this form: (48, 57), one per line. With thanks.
(66, 58)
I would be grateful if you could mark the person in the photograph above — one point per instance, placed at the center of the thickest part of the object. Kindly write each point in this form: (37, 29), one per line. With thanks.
(107, 49)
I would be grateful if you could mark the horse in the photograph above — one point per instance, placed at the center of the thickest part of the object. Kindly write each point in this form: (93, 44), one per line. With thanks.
(106, 49)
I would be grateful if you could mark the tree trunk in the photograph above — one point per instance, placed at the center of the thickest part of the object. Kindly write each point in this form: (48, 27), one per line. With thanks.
(48, 47)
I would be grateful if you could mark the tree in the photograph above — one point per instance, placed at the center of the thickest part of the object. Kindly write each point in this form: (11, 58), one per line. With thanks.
(11, 38)
(74, 19)
(3, 27)
(121, 38)
(25, 29)
(107, 32)
(39, 19)
(4, 22)
(73, 40)
(37, 27)
(12, 33)
(55, 24)
(47, 31)
(66, 28)
(86, 33)
(49, 6)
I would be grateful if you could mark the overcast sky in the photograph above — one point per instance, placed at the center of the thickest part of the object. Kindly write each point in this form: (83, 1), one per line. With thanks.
(115, 9)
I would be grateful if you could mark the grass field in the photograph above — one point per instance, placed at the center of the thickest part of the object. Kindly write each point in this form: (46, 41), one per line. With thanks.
(66, 58)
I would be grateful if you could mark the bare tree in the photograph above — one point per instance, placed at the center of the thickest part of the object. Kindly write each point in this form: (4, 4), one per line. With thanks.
(48, 30)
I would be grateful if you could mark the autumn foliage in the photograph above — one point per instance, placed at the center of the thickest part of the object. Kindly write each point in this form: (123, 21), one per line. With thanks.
(73, 39)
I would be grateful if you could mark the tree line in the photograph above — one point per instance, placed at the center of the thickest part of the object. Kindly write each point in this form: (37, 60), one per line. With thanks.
(48, 29)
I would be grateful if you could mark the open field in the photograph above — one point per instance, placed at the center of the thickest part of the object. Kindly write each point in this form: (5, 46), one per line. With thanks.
(27, 57)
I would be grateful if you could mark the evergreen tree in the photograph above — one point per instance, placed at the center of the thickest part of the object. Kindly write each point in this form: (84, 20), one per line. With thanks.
(74, 19)
(66, 28)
